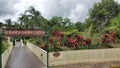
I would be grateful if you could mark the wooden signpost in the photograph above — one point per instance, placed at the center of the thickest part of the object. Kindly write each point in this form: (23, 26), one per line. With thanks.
(15, 32)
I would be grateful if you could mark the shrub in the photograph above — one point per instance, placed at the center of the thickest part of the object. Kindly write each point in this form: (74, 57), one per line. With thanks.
(4, 46)
(108, 38)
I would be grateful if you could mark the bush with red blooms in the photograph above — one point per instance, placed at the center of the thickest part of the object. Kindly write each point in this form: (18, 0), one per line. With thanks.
(84, 43)
(51, 40)
(109, 37)
(79, 38)
(72, 42)
(88, 41)
(58, 35)
(75, 42)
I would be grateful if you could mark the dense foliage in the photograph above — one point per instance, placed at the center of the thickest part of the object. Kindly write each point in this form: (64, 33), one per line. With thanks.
(4, 46)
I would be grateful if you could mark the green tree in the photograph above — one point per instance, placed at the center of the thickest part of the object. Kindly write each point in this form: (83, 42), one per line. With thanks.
(67, 22)
(1, 24)
(114, 25)
(9, 23)
(23, 20)
(16, 25)
(34, 15)
(55, 21)
(79, 26)
(102, 12)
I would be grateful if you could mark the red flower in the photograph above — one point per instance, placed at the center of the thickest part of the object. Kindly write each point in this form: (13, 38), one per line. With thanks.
(112, 39)
(88, 41)
(106, 35)
(84, 43)
(74, 45)
(58, 38)
(103, 40)
(112, 33)
(70, 40)
(51, 40)
(80, 38)
(109, 37)
(61, 34)
(53, 33)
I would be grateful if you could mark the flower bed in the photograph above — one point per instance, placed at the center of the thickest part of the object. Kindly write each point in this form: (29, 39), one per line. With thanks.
(59, 42)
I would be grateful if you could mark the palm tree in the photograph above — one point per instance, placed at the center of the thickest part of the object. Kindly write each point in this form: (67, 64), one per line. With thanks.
(55, 20)
(8, 22)
(1, 24)
(66, 22)
(34, 15)
(23, 20)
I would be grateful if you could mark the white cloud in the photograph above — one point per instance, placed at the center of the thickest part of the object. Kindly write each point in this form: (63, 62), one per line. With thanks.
(76, 10)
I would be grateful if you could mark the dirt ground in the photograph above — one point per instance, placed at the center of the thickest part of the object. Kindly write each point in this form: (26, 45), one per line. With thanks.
(90, 65)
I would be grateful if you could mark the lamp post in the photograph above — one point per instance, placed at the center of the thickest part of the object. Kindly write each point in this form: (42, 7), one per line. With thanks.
(0, 51)
(47, 47)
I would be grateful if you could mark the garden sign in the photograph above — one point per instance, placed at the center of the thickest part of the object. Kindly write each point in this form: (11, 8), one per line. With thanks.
(15, 32)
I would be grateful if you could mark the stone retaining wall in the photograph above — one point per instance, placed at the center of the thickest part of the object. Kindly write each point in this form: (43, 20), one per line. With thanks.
(40, 53)
(6, 55)
(80, 56)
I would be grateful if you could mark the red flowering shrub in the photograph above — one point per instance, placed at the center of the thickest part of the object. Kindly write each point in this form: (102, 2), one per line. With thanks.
(112, 39)
(88, 41)
(79, 38)
(112, 34)
(106, 35)
(72, 42)
(58, 35)
(108, 38)
(59, 41)
(68, 42)
(84, 43)
(51, 40)
(58, 38)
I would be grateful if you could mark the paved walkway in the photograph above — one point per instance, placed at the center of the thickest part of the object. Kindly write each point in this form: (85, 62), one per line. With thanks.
(22, 57)
(90, 65)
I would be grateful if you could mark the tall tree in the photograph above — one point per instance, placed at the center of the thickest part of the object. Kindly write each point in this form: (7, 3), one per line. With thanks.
(114, 25)
(1, 24)
(23, 20)
(34, 15)
(67, 21)
(102, 12)
(55, 20)
(9, 23)
(79, 26)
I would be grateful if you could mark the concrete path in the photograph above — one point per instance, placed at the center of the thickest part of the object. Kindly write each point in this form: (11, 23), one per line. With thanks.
(90, 65)
(22, 57)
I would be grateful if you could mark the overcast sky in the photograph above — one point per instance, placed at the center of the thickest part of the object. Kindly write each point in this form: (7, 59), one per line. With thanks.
(76, 10)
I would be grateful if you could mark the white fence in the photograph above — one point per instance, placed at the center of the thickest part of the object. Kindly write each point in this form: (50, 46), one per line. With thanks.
(6, 55)
(40, 53)
(80, 56)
